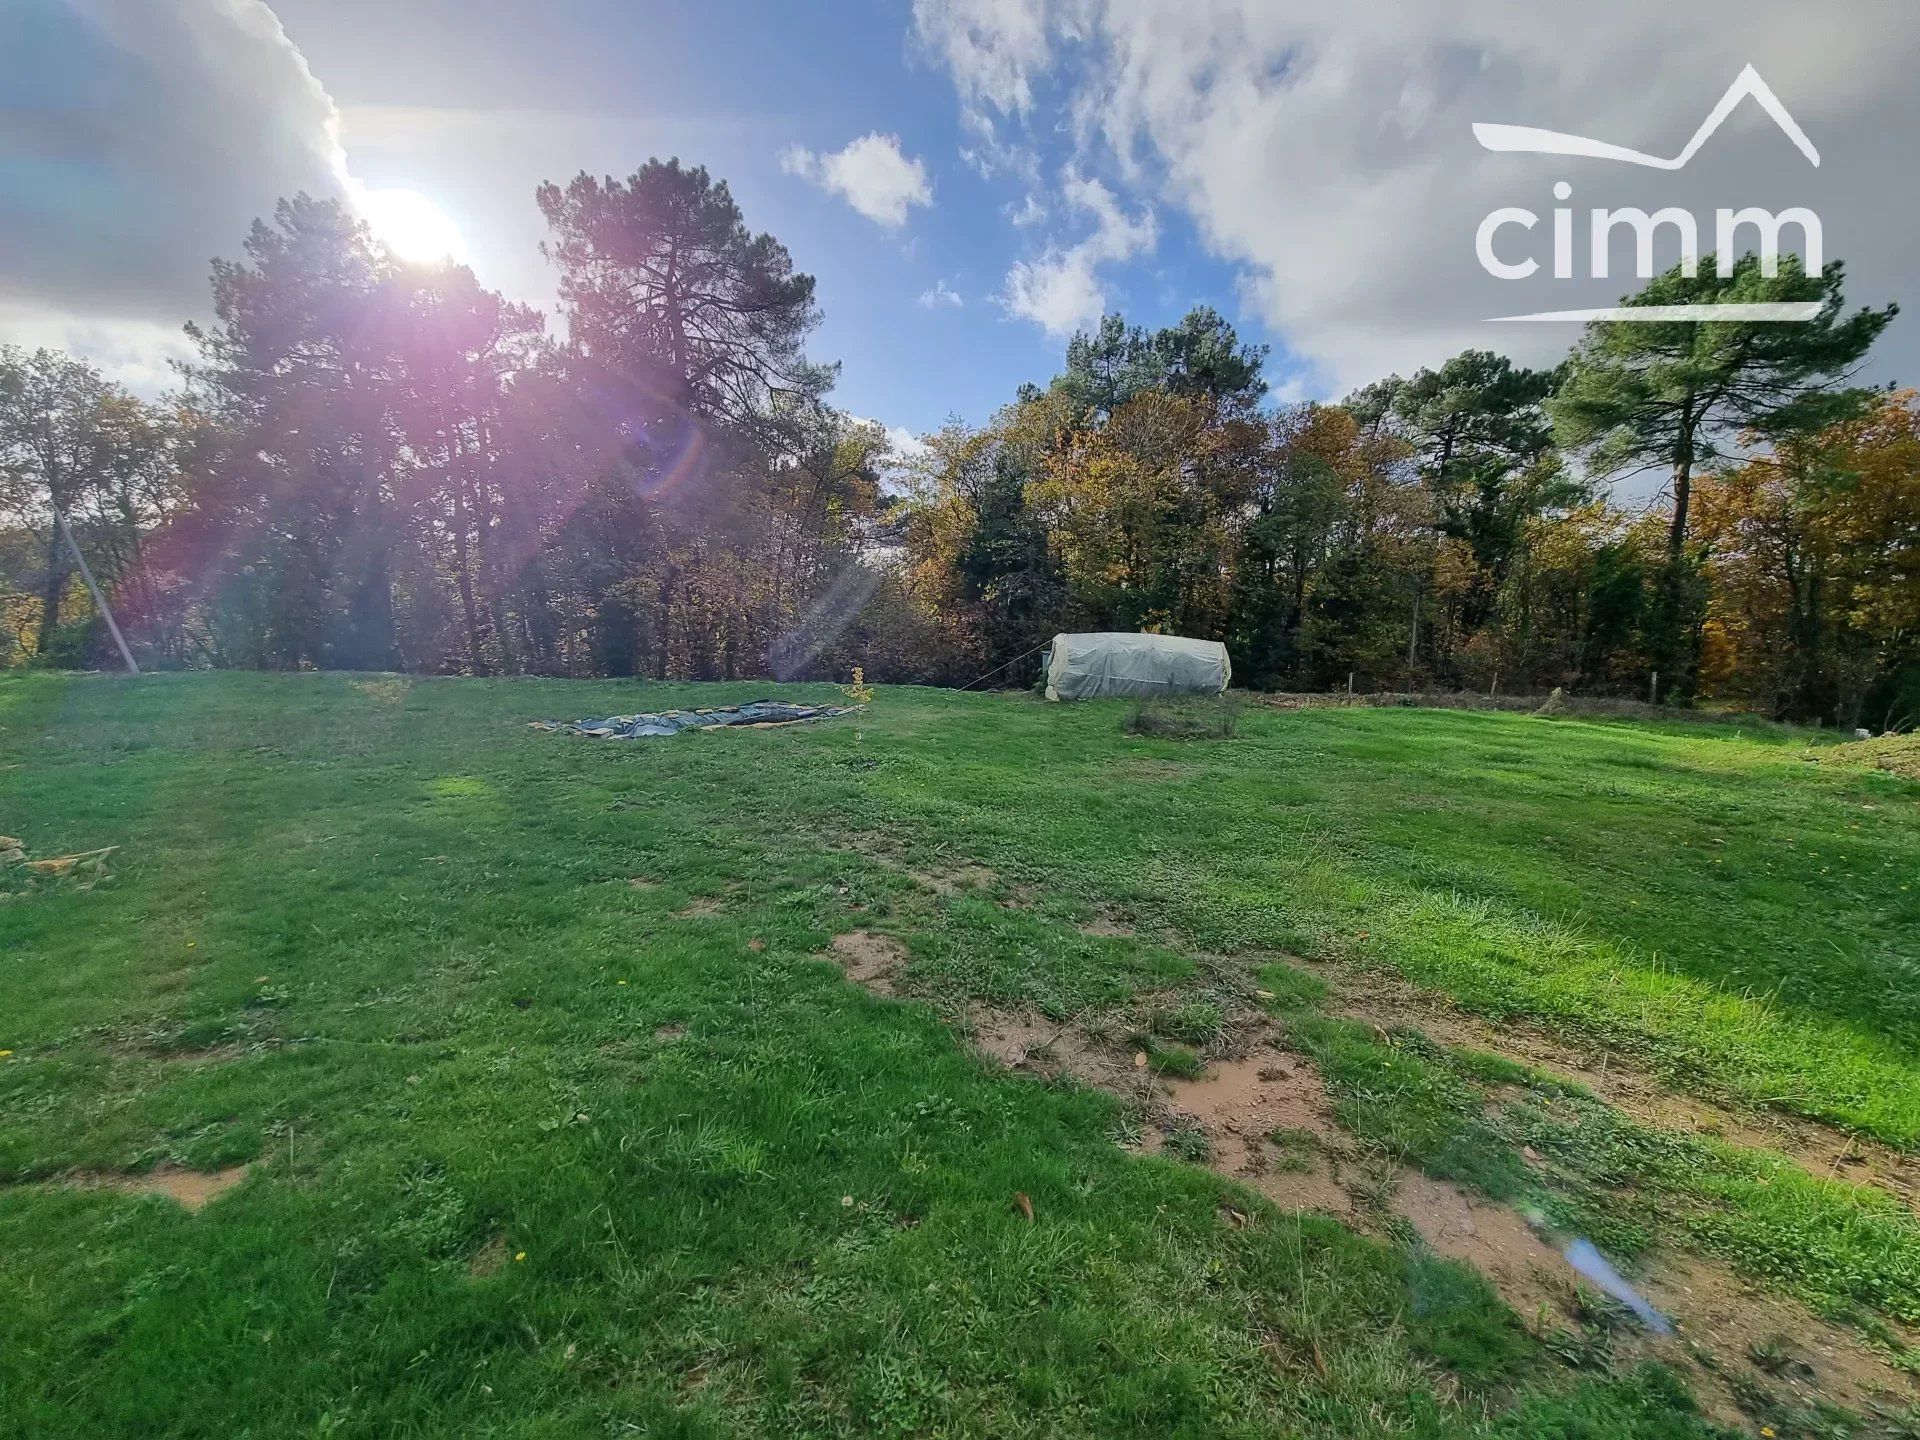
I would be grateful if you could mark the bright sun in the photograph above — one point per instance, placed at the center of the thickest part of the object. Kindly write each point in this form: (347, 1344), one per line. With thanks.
(411, 226)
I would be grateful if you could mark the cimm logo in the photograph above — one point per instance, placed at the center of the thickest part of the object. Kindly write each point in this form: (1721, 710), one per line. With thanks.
(1728, 223)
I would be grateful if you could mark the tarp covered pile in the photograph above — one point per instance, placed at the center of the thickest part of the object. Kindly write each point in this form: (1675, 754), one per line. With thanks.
(1085, 667)
(757, 713)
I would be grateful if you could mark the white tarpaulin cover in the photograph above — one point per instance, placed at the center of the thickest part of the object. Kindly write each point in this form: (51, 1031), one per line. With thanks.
(1085, 667)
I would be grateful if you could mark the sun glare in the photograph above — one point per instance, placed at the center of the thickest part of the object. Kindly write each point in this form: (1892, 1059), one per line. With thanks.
(411, 226)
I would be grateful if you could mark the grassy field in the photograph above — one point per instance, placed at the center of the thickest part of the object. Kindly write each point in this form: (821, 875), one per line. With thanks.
(553, 1111)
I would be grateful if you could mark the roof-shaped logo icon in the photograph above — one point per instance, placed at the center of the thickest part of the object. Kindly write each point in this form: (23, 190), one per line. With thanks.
(1528, 140)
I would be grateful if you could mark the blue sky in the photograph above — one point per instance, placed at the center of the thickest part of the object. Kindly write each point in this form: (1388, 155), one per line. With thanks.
(732, 86)
(1308, 169)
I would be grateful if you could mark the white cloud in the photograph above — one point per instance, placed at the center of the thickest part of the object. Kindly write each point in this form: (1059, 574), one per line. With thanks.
(994, 49)
(1328, 152)
(1061, 290)
(138, 353)
(870, 174)
(990, 156)
(904, 447)
(941, 295)
(1028, 212)
(196, 118)
(907, 446)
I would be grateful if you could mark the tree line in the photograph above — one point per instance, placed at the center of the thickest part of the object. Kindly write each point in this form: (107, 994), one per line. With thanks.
(376, 465)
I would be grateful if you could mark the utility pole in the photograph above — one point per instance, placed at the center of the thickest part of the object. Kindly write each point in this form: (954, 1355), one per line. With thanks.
(93, 589)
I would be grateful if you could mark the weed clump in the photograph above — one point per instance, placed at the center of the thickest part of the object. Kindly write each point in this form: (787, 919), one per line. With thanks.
(1185, 717)
(1196, 1022)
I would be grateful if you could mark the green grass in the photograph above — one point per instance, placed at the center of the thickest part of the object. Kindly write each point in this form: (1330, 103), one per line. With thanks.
(754, 1199)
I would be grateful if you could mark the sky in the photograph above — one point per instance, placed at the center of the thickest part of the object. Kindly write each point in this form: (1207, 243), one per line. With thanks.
(969, 181)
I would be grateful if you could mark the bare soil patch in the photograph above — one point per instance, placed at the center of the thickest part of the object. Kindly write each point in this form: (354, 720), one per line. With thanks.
(944, 878)
(1048, 1048)
(489, 1259)
(869, 958)
(1777, 1344)
(163, 1043)
(705, 908)
(1730, 1338)
(1269, 1124)
(1496, 1240)
(192, 1189)
(950, 880)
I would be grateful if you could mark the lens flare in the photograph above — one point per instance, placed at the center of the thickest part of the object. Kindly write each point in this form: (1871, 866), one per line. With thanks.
(411, 226)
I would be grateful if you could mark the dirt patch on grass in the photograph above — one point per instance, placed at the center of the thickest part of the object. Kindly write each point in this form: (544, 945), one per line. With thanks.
(489, 1259)
(950, 880)
(1107, 927)
(1530, 1274)
(1766, 1346)
(945, 878)
(1268, 1123)
(191, 1189)
(189, 1046)
(1740, 1346)
(705, 908)
(1386, 1000)
(1263, 1119)
(869, 958)
(1048, 1048)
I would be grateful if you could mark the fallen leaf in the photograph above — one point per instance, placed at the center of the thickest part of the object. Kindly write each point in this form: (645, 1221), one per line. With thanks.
(1139, 1059)
(1023, 1205)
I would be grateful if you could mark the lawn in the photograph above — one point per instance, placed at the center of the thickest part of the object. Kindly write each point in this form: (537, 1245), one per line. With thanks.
(552, 1111)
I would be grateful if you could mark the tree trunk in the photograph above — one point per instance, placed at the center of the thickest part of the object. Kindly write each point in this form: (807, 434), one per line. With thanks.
(50, 596)
(463, 572)
(1682, 490)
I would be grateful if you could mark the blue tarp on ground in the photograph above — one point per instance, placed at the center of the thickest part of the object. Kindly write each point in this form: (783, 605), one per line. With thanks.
(672, 722)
